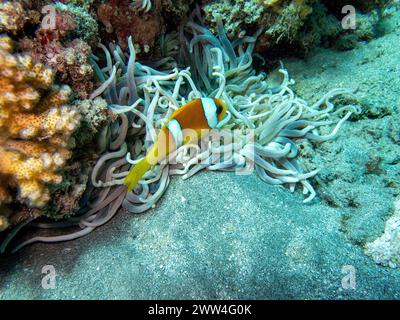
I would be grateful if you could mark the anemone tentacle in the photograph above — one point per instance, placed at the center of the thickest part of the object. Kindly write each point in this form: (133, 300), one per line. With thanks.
(144, 98)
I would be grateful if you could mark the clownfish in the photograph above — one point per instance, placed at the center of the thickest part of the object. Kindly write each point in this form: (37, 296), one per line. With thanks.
(197, 115)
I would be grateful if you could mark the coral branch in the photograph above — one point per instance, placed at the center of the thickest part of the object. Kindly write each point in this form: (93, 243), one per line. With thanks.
(35, 128)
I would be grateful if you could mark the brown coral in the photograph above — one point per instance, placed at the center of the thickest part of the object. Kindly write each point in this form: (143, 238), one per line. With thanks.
(122, 19)
(35, 128)
(13, 16)
(69, 58)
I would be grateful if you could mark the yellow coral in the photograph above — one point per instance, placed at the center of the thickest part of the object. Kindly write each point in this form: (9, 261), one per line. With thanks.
(11, 16)
(278, 6)
(271, 4)
(3, 223)
(35, 127)
(304, 9)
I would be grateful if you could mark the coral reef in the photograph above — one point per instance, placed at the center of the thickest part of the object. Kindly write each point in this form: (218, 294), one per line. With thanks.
(279, 20)
(300, 24)
(235, 15)
(95, 114)
(144, 20)
(71, 61)
(13, 16)
(122, 19)
(60, 54)
(361, 5)
(366, 30)
(65, 47)
(68, 57)
(176, 10)
(36, 125)
(66, 196)
(86, 27)
(385, 250)
(289, 22)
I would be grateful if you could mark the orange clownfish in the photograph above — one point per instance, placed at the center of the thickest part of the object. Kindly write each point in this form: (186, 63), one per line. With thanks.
(197, 115)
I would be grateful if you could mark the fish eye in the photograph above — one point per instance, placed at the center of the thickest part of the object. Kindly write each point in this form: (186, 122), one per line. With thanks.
(219, 109)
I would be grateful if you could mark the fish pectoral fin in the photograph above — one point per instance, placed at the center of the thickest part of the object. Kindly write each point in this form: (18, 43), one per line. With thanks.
(136, 173)
(191, 137)
(187, 140)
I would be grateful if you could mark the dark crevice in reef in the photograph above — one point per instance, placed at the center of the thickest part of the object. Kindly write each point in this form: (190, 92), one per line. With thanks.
(323, 28)
(335, 7)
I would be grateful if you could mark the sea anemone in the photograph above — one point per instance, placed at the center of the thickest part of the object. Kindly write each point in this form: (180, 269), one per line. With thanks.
(144, 98)
(142, 5)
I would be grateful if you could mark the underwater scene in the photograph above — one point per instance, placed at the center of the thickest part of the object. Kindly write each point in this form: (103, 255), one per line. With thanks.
(200, 149)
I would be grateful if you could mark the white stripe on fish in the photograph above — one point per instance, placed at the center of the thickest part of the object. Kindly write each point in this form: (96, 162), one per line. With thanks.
(210, 111)
(175, 128)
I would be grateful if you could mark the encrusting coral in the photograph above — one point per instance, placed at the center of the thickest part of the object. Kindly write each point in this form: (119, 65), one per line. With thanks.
(69, 58)
(144, 20)
(70, 62)
(13, 16)
(86, 26)
(35, 128)
(279, 19)
(123, 19)
(385, 250)
(302, 24)
(64, 46)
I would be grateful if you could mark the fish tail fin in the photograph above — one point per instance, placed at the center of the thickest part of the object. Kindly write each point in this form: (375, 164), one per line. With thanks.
(136, 173)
